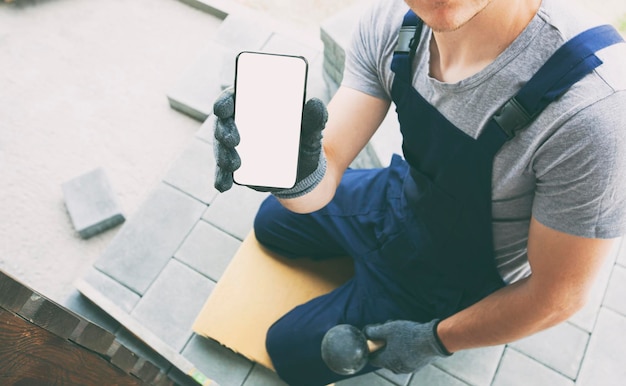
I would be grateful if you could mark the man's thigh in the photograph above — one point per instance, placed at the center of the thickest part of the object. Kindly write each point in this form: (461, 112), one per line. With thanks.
(345, 227)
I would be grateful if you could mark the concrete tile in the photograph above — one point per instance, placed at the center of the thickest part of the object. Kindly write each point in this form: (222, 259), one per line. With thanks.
(517, 369)
(170, 306)
(208, 250)
(137, 346)
(233, 211)
(387, 140)
(621, 257)
(199, 84)
(614, 298)
(476, 367)
(147, 241)
(82, 306)
(432, 376)
(221, 364)
(91, 203)
(280, 43)
(398, 379)
(205, 132)
(586, 318)
(124, 298)
(561, 348)
(235, 35)
(261, 376)
(604, 361)
(194, 171)
(371, 379)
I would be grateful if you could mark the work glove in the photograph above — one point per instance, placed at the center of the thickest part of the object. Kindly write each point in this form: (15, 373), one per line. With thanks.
(409, 346)
(311, 161)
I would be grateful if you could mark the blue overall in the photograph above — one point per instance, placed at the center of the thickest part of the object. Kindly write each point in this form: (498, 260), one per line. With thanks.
(420, 230)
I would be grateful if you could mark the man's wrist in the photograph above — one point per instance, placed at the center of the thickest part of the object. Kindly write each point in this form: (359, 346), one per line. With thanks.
(440, 343)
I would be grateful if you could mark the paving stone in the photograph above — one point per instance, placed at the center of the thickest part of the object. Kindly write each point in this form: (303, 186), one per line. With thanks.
(432, 376)
(84, 307)
(621, 258)
(180, 378)
(586, 318)
(221, 364)
(199, 84)
(94, 338)
(398, 379)
(91, 203)
(205, 132)
(194, 171)
(124, 298)
(517, 369)
(604, 361)
(137, 346)
(146, 243)
(614, 298)
(235, 35)
(233, 211)
(208, 250)
(218, 8)
(561, 348)
(261, 376)
(476, 367)
(170, 306)
(371, 379)
(336, 33)
(50, 316)
(124, 358)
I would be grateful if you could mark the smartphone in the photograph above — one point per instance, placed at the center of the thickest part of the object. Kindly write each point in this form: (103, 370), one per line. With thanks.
(270, 91)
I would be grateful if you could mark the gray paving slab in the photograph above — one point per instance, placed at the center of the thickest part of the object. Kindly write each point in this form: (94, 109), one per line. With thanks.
(208, 250)
(586, 318)
(561, 348)
(223, 365)
(476, 367)
(91, 203)
(146, 242)
(398, 379)
(604, 361)
(621, 258)
(199, 84)
(172, 303)
(261, 376)
(79, 304)
(517, 369)
(137, 346)
(432, 376)
(124, 297)
(194, 171)
(235, 35)
(615, 297)
(205, 132)
(371, 379)
(233, 211)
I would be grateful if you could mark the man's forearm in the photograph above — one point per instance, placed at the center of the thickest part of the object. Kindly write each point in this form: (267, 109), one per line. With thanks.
(507, 315)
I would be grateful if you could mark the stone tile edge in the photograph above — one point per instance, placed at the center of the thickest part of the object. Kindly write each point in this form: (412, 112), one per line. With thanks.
(143, 334)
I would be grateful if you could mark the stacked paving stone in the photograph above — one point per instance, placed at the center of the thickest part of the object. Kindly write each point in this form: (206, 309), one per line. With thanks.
(164, 262)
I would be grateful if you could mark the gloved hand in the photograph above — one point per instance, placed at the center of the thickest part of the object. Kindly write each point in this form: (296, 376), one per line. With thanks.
(409, 345)
(311, 162)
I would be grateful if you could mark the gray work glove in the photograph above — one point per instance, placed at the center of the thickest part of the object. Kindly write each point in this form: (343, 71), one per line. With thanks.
(409, 346)
(311, 162)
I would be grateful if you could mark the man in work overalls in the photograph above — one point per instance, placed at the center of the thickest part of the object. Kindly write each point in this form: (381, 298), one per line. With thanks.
(510, 194)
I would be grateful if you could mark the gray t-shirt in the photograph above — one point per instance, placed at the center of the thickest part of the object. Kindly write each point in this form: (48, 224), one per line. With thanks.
(567, 169)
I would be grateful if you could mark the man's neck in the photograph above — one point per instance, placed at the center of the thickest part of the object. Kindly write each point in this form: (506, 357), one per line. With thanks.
(459, 54)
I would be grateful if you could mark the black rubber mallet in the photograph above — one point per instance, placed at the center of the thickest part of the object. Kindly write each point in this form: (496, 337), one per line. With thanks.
(345, 349)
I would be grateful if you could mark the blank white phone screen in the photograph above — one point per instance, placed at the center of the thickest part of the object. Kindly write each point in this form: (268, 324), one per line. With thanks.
(269, 98)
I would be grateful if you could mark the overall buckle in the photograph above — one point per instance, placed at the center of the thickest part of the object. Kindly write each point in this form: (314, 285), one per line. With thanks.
(512, 117)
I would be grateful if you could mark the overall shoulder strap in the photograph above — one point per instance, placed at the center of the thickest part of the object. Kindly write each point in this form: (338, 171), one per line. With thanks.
(569, 64)
(408, 40)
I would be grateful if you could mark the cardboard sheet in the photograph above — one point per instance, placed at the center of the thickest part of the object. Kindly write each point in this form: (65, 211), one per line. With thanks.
(259, 287)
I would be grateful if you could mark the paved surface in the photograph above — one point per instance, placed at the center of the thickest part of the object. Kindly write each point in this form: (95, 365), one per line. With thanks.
(162, 264)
